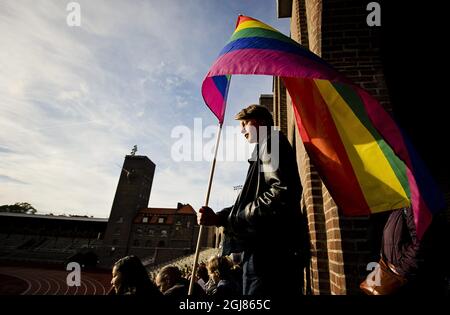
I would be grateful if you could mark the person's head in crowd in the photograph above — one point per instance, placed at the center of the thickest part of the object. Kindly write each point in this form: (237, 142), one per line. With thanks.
(129, 276)
(202, 272)
(168, 277)
(219, 267)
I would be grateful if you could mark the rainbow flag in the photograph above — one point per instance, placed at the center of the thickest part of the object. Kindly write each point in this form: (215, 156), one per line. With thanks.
(365, 161)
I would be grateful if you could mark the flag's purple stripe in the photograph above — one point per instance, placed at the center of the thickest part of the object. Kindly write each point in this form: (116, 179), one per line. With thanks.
(422, 213)
(271, 62)
(213, 98)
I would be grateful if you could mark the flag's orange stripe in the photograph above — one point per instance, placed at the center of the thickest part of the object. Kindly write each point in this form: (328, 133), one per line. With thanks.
(321, 138)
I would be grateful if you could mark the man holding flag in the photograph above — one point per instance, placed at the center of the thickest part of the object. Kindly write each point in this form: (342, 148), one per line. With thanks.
(265, 223)
(363, 157)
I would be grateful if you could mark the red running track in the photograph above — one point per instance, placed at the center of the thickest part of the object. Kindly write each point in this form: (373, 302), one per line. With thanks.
(43, 281)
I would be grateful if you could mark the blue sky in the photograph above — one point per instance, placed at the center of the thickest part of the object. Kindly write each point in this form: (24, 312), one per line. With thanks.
(76, 99)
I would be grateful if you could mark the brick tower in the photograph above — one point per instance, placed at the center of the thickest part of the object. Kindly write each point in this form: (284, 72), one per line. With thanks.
(132, 194)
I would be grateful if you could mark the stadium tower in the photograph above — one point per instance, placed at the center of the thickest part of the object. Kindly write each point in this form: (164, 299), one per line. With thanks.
(132, 194)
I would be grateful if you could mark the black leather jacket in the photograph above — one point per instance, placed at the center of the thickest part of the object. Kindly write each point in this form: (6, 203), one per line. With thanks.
(266, 214)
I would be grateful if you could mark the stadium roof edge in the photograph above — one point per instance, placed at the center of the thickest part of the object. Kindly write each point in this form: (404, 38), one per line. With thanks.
(56, 217)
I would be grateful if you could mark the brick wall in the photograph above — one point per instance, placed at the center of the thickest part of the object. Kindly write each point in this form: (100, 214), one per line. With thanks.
(317, 275)
(341, 246)
(313, 206)
(279, 110)
(299, 26)
(353, 48)
(337, 276)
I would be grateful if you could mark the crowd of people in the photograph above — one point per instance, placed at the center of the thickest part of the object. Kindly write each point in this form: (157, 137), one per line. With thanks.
(218, 277)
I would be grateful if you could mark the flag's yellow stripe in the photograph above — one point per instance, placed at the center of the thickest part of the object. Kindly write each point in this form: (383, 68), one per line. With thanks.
(248, 24)
(377, 179)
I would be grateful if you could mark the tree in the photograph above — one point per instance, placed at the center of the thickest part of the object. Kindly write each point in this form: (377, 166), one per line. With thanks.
(19, 207)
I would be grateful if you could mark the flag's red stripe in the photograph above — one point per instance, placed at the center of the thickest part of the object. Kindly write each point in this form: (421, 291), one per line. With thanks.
(243, 19)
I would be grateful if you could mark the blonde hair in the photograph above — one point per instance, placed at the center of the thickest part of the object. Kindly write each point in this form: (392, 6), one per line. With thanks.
(220, 266)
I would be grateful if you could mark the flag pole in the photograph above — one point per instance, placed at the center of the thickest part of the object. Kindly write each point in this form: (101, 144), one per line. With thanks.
(200, 231)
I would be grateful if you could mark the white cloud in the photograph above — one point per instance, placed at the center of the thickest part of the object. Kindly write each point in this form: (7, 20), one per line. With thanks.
(76, 99)
(8, 179)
